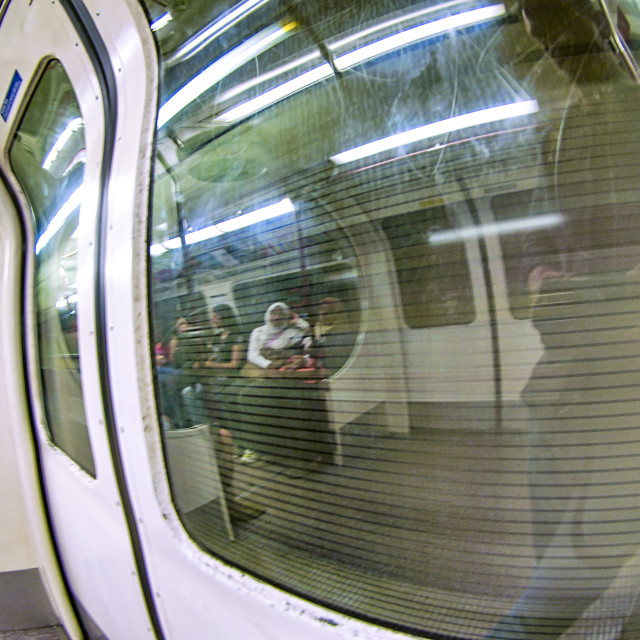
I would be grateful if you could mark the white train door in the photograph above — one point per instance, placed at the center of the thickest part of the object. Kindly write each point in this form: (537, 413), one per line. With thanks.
(446, 302)
(55, 134)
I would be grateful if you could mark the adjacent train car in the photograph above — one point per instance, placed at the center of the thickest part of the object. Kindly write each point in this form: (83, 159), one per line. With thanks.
(322, 319)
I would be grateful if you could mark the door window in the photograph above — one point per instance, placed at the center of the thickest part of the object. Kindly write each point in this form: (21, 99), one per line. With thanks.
(48, 157)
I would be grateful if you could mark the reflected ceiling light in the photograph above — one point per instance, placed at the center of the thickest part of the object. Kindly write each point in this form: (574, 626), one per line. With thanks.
(216, 28)
(222, 67)
(72, 203)
(373, 50)
(421, 32)
(259, 215)
(249, 84)
(202, 234)
(161, 22)
(276, 94)
(245, 86)
(226, 226)
(473, 119)
(79, 158)
(390, 23)
(59, 144)
(497, 228)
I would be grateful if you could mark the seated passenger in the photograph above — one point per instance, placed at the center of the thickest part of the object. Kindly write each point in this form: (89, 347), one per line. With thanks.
(278, 340)
(221, 365)
(227, 348)
(283, 415)
(189, 348)
(333, 338)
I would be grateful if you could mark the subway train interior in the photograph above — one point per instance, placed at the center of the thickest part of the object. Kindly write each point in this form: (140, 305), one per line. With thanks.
(320, 319)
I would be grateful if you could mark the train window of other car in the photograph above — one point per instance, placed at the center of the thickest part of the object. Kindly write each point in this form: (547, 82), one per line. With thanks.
(580, 237)
(433, 273)
(47, 157)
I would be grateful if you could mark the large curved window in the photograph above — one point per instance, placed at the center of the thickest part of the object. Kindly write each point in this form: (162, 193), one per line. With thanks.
(438, 428)
(47, 156)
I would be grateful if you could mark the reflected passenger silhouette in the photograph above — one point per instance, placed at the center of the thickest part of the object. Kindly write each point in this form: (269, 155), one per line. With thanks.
(582, 399)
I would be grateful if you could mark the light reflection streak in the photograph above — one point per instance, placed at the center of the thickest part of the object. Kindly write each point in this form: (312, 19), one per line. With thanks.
(221, 68)
(60, 217)
(226, 226)
(501, 228)
(60, 143)
(456, 123)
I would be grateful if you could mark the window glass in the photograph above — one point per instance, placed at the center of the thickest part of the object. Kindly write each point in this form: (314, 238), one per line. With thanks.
(437, 428)
(47, 156)
(432, 268)
(625, 16)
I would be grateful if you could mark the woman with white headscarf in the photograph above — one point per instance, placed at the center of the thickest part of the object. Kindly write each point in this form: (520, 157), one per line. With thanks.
(283, 416)
(281, 335)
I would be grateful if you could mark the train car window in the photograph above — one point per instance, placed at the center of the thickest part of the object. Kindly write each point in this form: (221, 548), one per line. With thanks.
(584, 239)
(625, 17)
(434, 279)
(47, 157)
(330, 176)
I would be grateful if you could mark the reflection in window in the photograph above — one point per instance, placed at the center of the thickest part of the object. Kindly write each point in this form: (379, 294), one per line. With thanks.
(47, 156)
(465, 480)
(435, 285)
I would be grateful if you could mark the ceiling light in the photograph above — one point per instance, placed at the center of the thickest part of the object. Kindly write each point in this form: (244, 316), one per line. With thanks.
(216, 28)
(232, 224)
(72, 203)
(62, 140)
(415, 34)
(473, 119)
(221, 68)
(496, 228)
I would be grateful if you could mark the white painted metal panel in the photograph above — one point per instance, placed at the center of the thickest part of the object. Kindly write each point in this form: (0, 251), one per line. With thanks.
(90, 528)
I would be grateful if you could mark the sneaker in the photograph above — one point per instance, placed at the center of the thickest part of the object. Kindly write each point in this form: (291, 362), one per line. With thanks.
(249, 457)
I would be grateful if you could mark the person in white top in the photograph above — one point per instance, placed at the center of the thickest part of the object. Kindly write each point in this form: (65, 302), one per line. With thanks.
(280, 337)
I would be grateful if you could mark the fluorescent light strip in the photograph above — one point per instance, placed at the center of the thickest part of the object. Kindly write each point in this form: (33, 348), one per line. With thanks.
(253, 217)
(390, 23)
(497, 228)
(221, 68)
(415, 34)
(249, 84)
(218, 27)
(79, 158)
(72, 203)
(161, 22)
(226, 226)
(358, 56)
(62, 140)
(473, 119)
(276, 94)
(245, 86)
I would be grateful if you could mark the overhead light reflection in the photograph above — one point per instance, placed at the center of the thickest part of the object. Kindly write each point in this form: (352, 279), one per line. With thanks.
(222, 67)
(360, 55)
(333, 46)
(72, 203)
(275, 95)
(217, 27)
(415, 34)
(496, 228)
(254, 82)
(62, 140)
(473, 119)
(161, 22)
(260, 215)
(226, 226)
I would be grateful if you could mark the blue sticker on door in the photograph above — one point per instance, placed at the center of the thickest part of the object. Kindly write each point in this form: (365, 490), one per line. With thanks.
(10, 98)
